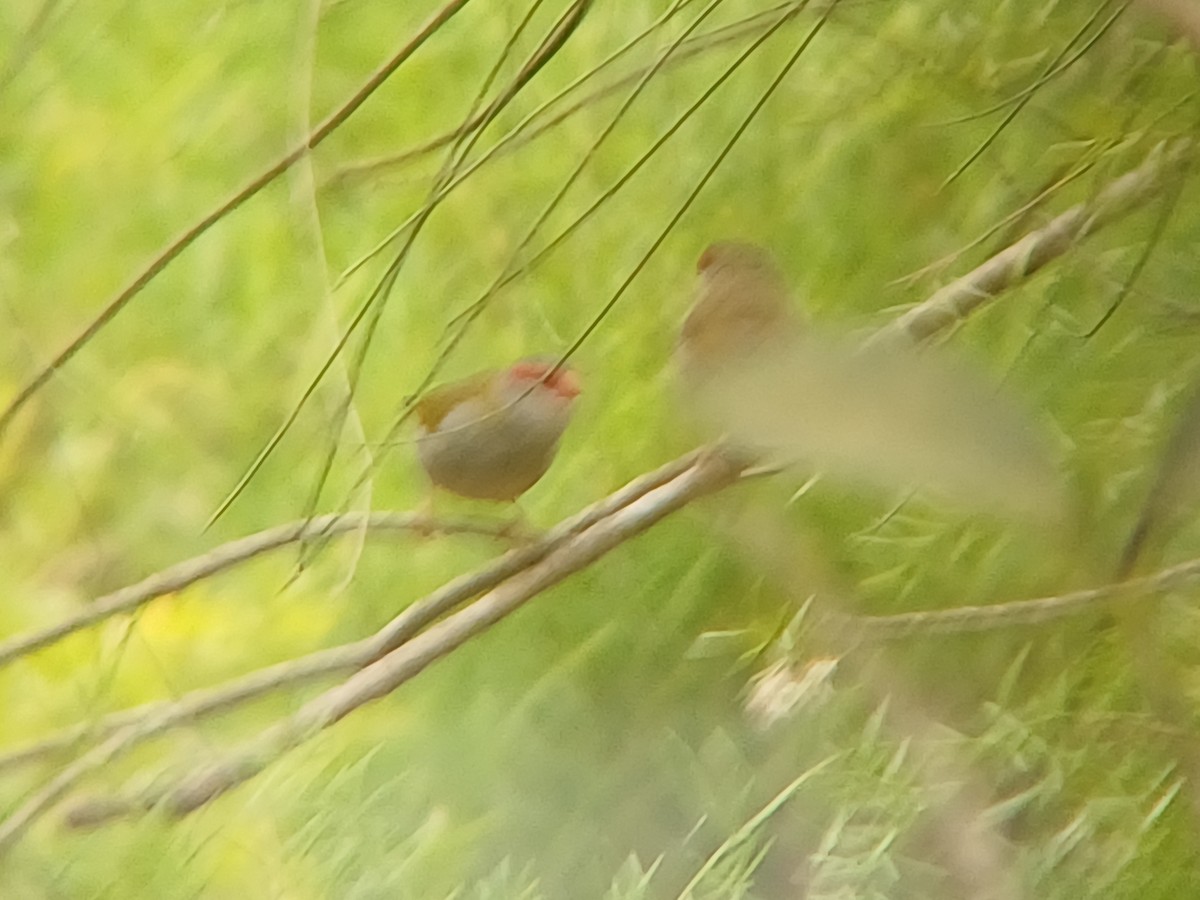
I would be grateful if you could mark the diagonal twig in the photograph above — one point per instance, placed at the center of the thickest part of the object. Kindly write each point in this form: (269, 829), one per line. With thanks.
(972, 619)
(181, 575)
(208, 701)
(256, 184)
(399, 655)
(956, 301)
(370, 311)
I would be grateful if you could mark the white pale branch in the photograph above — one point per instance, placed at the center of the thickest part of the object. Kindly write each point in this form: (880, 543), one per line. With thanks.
(128, 729)
(956, 301)
(186, 573)
(969, 619)
(194, 790)
(205, 702)
(409, 659)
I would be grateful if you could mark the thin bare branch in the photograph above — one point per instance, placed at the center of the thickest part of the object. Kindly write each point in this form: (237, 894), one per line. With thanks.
(468, 315)
(956, 301)
(166, 256)
(529, 128)
(1021, 613)
(1055, 67)
(371, 310)
(457, 330)
(410, 656)
(724, 152)
(181, 575)
(346, 657)
(1011, 221)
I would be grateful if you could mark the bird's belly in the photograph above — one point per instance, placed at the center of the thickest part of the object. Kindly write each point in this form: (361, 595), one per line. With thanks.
(486, 460)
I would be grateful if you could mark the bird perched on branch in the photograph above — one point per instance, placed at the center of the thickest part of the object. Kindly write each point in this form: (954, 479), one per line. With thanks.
(741, 317)
(781, 393)
(742, 308)
(492, 435)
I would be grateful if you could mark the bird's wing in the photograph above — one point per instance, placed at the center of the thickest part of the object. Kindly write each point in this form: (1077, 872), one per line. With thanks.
(433, 407)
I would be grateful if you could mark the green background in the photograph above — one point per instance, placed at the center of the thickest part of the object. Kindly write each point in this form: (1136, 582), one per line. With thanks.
(595, 744)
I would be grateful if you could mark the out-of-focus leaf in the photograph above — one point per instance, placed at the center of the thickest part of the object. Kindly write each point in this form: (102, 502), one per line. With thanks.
(712, 644)
(891, 417)
(632, 881)
(1176, 485)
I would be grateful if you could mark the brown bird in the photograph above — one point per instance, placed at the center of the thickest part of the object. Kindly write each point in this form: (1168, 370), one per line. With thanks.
(492, 435)
(742, 308)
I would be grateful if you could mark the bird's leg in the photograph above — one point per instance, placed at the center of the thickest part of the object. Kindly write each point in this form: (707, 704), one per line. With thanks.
(425, 526)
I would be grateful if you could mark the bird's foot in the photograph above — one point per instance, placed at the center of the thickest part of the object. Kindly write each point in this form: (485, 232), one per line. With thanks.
(425, 524)
(517, 530)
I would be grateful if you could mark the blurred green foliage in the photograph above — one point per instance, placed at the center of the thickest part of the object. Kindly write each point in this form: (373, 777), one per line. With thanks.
(579, 749)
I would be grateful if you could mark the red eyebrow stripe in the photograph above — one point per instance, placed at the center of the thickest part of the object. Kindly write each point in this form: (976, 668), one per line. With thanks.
(564, 381)
(531, 369)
